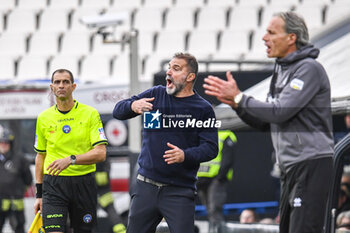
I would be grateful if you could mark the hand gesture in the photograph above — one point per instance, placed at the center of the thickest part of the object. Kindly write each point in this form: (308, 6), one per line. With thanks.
(142, 105)
(58, 165)
(224, 91)
(174, 155)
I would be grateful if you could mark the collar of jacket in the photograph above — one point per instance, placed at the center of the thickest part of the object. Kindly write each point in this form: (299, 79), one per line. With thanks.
(304, 52)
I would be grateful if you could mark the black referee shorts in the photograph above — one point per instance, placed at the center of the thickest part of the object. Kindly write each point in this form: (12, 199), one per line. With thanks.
(76, 195)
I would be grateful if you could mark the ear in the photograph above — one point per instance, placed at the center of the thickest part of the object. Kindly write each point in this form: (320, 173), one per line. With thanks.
(74, 86)
(51, 87)
(191, 77)
(292, 38)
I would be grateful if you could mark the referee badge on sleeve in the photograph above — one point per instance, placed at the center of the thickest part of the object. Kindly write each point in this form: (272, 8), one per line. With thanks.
(101, 132)
(36, 141)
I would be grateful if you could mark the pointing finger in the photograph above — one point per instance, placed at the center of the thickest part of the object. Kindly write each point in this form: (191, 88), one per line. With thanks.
(149, 99)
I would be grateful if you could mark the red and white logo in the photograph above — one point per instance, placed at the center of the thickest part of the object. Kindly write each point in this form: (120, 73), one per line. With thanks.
(116, 132)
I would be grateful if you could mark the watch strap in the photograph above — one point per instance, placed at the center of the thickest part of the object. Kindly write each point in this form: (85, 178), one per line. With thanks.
(73, 159)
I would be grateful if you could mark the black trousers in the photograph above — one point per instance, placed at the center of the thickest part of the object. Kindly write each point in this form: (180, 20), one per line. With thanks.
(304, 193)
(150, 203)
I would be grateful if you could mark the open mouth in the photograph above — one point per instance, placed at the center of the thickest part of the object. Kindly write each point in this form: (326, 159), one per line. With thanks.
(169, 81)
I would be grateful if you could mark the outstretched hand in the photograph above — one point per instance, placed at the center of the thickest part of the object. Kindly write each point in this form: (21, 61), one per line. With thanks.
(174, 155)
(223, 90)
(142, 105)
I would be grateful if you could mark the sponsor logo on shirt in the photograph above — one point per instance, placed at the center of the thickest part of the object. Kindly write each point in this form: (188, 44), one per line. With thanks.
(297, 84)
(157, 120)
(65, 119)
(66, 129)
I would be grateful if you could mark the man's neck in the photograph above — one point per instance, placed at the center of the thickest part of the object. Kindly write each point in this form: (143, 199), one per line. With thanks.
(65, 105)
(187, 91)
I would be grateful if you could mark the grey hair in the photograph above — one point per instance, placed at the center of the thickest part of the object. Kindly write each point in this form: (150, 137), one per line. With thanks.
(191, 61)
(294, 23)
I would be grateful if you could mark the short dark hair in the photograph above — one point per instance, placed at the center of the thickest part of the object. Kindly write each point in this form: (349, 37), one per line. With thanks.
(294, 23)
(191, 61)
(63, 71)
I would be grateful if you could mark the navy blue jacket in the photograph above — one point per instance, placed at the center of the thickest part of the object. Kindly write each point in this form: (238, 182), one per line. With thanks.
(188, 123)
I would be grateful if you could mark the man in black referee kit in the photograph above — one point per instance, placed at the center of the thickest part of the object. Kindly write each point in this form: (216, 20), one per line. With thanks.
(69, 142)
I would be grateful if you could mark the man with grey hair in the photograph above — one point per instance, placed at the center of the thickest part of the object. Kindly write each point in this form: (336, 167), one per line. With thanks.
(298, 114)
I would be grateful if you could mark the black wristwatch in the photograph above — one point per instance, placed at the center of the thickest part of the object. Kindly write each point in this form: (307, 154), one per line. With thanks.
(73, 159)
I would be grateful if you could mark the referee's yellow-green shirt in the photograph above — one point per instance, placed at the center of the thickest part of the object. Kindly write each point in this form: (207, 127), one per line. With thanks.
(61, 135)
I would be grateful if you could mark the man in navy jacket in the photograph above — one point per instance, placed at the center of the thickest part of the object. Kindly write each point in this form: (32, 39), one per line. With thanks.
(180, 132)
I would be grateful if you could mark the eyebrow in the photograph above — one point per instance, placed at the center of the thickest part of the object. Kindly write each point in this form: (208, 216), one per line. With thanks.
(175, 65)
(61, 80)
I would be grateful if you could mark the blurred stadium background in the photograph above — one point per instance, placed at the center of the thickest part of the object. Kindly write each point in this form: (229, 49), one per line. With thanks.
(39, 36)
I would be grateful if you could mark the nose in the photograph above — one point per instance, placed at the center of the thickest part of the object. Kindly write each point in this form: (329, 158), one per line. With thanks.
(265, 37)
(60, 85)
(168, 72)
